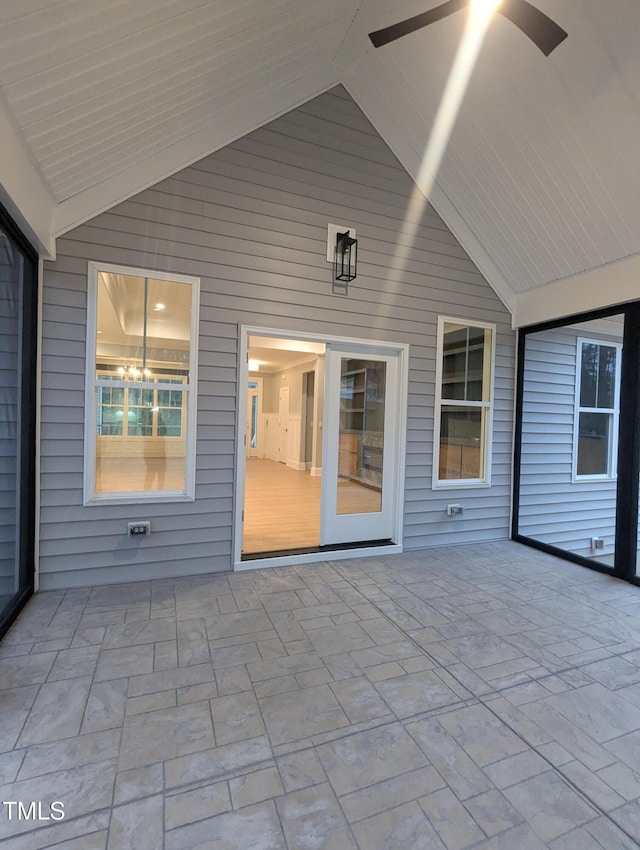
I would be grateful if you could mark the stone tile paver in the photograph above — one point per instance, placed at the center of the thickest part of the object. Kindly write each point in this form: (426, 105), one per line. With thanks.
(483, 697)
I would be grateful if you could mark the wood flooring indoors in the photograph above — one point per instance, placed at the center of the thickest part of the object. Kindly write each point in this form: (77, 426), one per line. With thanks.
(282, 506)
(127, 474)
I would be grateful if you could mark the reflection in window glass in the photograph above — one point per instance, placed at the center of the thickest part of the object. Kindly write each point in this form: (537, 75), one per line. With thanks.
(361, 436)
(143, 355)
(169, 422)
(593, 443)
(110, 420)
(463, 375)
(597, 375)
(110, 412)
(138, 397)
(139, 422)
(461, 444)
(169, 398)
(463, 402)
(597, 409)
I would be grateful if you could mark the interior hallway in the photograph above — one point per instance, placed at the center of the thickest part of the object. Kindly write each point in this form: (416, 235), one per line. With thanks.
(483, 696)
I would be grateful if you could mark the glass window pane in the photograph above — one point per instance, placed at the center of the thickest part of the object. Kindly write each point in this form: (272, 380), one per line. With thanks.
(139, 463)
(589, 375)
(169, 398)
(593, 443)
(598, 375)
(169, 422)
(110, 420)
(461, 443)
(607, 376)
(454, 362)
(143, 339)
(143, 325)
(140, 397)
(465, 362)
(111, 395)
(140, 422)
(361, 436)
(476, 364)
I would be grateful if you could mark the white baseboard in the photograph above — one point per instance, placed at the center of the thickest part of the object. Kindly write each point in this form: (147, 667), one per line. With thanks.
(316, 470)
(298, 465)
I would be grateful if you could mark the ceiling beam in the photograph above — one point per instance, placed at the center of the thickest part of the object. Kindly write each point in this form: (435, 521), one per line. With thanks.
(605, 286)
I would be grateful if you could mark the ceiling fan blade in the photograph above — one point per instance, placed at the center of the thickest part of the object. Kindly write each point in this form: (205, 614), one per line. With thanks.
(384, 36)
(543, 32)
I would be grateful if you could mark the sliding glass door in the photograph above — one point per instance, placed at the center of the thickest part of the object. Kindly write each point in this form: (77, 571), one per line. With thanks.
(359, 480)
(18, 287)
(321, 452)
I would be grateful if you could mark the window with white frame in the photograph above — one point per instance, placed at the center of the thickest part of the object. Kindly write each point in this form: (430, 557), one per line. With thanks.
(597, 409)
(464, 403)
(140, 387)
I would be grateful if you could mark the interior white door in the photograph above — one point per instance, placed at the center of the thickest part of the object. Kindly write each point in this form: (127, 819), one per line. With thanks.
(359, 481)
(283, 424)
(254, 449)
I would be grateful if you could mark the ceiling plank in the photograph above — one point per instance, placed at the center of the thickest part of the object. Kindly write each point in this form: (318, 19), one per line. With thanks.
(229, 125)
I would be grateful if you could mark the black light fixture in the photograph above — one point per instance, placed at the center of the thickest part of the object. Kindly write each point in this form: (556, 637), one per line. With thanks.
(346, 257)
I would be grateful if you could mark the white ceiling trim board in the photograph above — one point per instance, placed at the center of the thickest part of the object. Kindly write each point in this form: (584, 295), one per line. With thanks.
(22, 190)
(613, 283)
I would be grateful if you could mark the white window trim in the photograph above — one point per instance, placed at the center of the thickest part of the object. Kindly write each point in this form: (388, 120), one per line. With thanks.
(614, 412)
(191, 389)
(463, 483)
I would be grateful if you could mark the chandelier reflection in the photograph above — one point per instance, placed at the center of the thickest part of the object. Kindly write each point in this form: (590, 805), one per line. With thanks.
(132, 373)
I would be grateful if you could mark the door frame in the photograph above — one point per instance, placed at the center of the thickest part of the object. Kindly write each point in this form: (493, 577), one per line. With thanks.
(401, 350)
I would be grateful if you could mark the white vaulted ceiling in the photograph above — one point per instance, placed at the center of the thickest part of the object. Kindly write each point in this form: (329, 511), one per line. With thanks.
(539, 181)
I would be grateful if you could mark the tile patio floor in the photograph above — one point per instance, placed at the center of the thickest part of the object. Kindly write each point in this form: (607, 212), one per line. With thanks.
(484, 697)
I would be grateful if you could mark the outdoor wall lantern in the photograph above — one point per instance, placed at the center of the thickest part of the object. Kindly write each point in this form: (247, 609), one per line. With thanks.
(346, 257)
